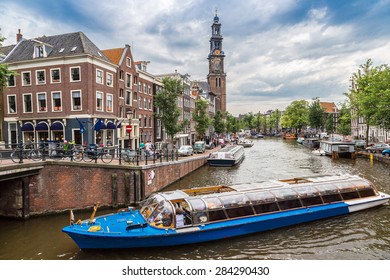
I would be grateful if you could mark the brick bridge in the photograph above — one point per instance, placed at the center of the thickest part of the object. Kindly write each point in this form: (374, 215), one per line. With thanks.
(38, 188)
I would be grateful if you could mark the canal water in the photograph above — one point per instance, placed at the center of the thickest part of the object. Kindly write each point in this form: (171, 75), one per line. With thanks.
(363, 235)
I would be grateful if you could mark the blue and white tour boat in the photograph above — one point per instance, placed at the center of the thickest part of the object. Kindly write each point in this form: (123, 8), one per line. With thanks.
(217, 212)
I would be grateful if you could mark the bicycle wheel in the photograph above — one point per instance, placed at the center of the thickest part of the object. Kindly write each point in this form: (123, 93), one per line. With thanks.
(88, 157)
(106, 157)
(35, 155)
(77, 155)
(15, 156)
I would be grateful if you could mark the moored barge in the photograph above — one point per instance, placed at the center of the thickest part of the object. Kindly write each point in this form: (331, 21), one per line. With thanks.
(211, 213)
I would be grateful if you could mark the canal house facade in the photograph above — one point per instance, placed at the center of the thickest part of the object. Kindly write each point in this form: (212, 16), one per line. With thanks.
(64, 89)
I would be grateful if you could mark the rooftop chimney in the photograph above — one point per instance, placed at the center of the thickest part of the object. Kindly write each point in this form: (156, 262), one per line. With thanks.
(19, 36)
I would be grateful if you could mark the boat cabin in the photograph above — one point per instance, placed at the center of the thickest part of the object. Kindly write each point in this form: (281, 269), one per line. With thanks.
(185, 208)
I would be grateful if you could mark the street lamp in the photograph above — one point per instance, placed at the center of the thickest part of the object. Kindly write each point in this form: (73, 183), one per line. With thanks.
(129, 127)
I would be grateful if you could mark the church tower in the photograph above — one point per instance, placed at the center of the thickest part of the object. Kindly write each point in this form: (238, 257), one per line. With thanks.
(217, 76)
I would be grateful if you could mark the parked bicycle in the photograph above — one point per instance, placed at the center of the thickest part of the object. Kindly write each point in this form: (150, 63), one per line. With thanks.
(93, 152)
(128, 155)
(22, 152)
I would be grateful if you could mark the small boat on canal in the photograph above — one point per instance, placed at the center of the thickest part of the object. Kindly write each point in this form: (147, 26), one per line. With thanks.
(227, 156)
(211, 213)
(246, 143)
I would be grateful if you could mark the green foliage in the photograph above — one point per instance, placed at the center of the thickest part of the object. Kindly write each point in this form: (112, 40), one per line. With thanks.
(329, 124)
(232, 124)
(200, 116)
(4, 72)
(274, 120)
(344, 121)
(316, 114)
(248, 120)
(166, 101)
(296, 115)
(369, 95)
(219, 123)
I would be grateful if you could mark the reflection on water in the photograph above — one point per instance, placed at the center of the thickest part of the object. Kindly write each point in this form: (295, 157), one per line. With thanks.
(363, 235)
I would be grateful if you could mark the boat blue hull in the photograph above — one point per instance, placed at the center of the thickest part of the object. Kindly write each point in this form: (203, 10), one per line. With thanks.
(152, 237)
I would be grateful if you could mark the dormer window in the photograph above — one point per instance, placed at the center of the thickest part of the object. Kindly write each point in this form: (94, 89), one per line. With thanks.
(39, 51)
(42, 50)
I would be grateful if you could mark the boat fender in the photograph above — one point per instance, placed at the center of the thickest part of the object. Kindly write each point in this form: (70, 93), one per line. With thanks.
(94, 228)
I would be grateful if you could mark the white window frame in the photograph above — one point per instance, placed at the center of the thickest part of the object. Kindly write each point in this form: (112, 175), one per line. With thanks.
(39, 51)
(72, 100)
(70, 74)
(24, 104)
(22, 77)
(139, 102)
(128, 82)
(102, 100)
(110, 79)
(14, 79)
(128, 92)
(109, 107)
(128, 62)
(99, 78)
(44, 77)
(52, 101)
(38, 103)
(16, 104)
(51, 76)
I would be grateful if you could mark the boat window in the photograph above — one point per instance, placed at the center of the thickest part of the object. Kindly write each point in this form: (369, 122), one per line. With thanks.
(197, 204)
(237, 200)
(162, 216)
(289, 204)
(285, 193)
(309, 201)
(213, 202)
(260, 197)
(327, 189)
(366, 192)
(240, 211)
(329, 198)
(345, 186)
(200, 217)
(306, 191)
(360, 184)
(350, 195)
(217, 215)
(266, 208)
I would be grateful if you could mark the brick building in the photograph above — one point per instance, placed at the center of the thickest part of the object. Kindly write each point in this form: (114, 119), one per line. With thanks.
(65, 88)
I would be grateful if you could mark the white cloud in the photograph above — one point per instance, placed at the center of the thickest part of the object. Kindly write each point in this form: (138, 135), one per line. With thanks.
(276, 51)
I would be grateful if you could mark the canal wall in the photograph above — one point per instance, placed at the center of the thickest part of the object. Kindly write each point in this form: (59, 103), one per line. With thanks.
(61, 186)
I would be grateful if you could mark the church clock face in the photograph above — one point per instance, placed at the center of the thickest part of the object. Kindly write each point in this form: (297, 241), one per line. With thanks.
(216, 64)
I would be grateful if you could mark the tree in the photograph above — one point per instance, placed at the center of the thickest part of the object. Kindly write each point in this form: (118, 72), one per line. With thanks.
(219, 123)
(248, 120)
(200, 116)
(296, 115)
(166, 102)
(344, 122)
(4, 71)
(382, 87)
(274, 120)
(329, 125)
(232, 124)
(316, 114)
(365, 94)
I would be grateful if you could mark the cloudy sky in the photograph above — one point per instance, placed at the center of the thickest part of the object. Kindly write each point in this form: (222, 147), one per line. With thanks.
(276, 51)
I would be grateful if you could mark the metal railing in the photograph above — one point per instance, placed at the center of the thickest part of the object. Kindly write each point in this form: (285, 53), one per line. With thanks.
(42, 151)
